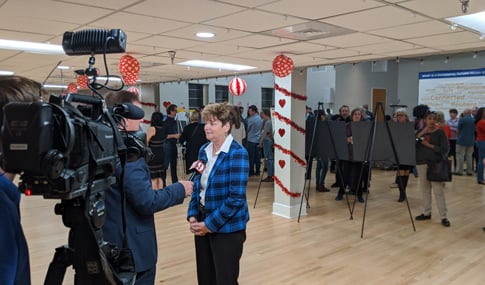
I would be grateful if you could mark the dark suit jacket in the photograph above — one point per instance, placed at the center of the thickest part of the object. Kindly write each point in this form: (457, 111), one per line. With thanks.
(141, 203)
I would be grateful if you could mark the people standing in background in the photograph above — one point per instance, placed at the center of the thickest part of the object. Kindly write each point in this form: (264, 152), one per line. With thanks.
(322, 162)
(432, 146)
(171, 134)
(368, 116)
(403, 171)
(253, 134)
(218, 209)
(155, 138)
(239, 130)
(309, 113)
(344, 116)
(441, 123)
(192, 137)
(465, 143)
(266, 142)
(14, 257)
(453, 123)
(480, 131)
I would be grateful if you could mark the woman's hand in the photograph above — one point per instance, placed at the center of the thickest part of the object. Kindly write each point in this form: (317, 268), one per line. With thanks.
(199, 229)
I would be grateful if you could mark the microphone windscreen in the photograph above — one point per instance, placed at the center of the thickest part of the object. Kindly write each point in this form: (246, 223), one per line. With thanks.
(129, 111)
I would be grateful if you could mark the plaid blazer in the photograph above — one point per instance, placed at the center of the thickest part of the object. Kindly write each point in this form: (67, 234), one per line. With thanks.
(225, 198)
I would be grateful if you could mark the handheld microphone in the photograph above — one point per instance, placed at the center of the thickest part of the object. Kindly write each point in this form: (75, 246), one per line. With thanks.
(129, 111)
(196, 168)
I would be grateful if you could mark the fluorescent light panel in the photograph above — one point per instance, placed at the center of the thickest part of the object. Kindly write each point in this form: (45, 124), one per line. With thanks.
(31, 47)
(474, 21)
(216, 65)
(6, 72)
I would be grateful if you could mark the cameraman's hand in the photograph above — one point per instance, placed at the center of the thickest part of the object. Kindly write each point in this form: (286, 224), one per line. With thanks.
(188, 185)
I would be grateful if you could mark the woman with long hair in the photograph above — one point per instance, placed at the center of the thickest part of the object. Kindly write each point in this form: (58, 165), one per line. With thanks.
(155, 141)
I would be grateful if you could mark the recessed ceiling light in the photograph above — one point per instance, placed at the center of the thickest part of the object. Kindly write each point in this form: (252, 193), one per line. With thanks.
(205, 35)
(216, 65)
(64, 67)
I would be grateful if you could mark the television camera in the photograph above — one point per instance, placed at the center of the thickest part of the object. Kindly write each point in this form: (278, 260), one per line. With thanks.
(68, 149)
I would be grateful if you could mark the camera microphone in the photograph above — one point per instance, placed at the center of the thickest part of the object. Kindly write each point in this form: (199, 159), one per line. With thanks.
(87, 42)
(196, 168)
(129, 111)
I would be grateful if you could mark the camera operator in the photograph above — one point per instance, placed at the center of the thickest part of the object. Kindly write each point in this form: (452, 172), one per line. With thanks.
(141, 202)
(14, 260)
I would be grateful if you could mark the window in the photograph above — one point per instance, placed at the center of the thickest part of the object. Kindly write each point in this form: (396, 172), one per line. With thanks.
(196, 96)
(222, 93)
(267, 98)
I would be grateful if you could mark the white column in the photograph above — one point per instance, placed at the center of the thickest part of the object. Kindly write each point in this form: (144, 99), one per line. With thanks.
(289, 118)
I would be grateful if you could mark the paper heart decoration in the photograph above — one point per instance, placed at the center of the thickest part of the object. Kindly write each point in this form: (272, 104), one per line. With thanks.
(282, 163)
(282, 102)
(281, 132)
(166, 104)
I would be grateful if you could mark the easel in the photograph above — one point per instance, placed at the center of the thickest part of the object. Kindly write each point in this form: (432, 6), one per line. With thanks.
(310, 154)
(368, 162)
(260, 181)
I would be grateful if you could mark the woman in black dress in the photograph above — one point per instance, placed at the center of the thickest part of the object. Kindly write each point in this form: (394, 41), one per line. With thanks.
(154, 141)
(192, 137)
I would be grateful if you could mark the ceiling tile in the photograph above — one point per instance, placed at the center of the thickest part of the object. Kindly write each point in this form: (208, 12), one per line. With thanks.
(382, 17)
(147, 24)
(190, 11)
(259, 41)
(445, 39)
(351, 40)
(260, 21)
(318, 9)
(421, 29)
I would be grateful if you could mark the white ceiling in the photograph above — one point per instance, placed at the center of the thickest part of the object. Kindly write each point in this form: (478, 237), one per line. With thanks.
(249, 32)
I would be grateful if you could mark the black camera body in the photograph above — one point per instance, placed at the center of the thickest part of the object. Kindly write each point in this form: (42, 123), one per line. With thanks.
(58, 150)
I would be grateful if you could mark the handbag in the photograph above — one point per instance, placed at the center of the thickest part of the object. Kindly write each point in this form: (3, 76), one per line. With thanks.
(439, 170)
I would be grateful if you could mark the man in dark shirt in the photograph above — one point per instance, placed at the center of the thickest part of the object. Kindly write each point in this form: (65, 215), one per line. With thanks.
(171, 134)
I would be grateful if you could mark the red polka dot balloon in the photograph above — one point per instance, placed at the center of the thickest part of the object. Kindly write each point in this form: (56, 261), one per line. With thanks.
(82, 81)
(71, 88)
(282, 66)
(237, 86)
(129, 69)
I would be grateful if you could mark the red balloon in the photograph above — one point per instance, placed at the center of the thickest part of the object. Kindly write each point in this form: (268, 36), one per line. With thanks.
(237, 86)
(129, 66)
(282, 66)
(72, 88)
(82, 81)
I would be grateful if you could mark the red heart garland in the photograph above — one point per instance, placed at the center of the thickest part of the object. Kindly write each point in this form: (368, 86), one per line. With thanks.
(282, 163)
(166, 104)
(281, 132)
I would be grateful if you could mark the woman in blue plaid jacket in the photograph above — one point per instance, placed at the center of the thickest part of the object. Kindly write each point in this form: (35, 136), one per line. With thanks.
(218, 210)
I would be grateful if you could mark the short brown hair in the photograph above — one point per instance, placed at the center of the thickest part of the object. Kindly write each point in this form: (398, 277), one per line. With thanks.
(224, 112)
(120, 97)
(16, 88)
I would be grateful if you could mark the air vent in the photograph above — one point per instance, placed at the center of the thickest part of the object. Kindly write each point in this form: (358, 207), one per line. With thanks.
(309, 31)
